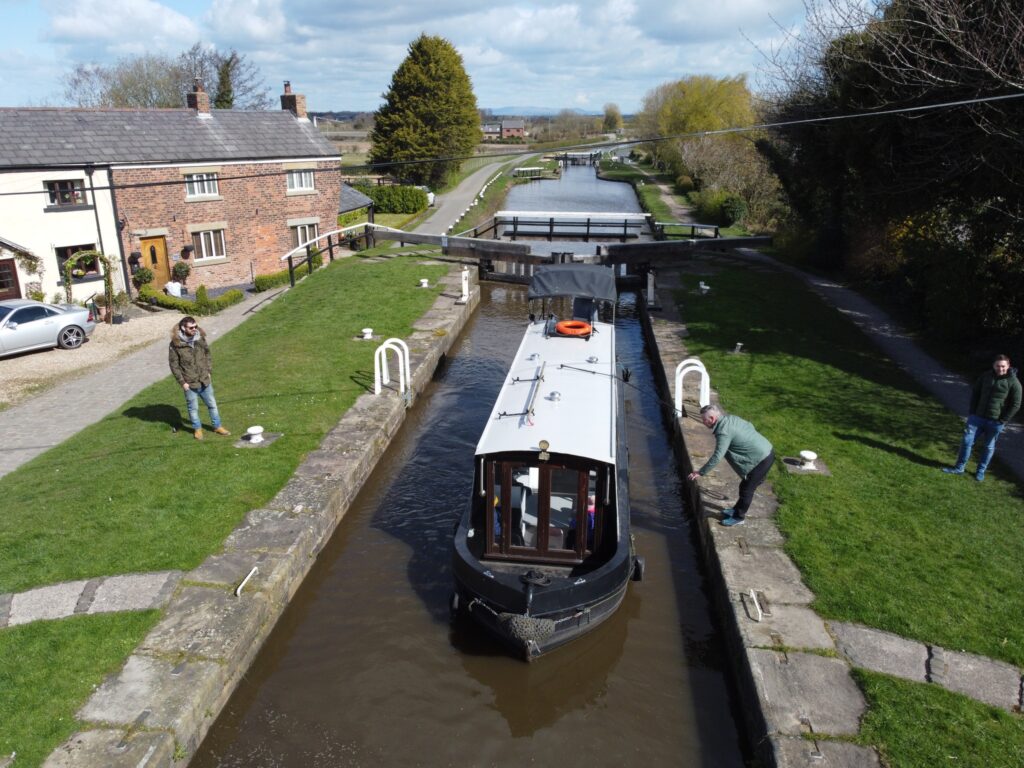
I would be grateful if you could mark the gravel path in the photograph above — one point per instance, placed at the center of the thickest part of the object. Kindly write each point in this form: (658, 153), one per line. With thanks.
(35, 372)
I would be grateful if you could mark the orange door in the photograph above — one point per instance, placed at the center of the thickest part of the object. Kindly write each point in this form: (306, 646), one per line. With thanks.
(154, 257)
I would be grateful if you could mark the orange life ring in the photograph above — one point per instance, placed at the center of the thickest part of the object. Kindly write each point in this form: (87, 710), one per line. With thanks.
(573, 328)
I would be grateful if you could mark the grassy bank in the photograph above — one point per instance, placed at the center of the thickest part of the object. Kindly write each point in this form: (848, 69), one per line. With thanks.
(888, 540)
(130, 494)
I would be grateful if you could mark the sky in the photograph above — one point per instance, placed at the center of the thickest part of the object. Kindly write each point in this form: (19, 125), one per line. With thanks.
(341, 53)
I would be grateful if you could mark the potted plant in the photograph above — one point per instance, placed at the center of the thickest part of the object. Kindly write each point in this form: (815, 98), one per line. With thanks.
(141, 276)
(121, 302)
(181, 271)
(100, 300)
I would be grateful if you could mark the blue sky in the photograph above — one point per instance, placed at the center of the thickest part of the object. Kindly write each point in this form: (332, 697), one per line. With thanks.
(341, 54)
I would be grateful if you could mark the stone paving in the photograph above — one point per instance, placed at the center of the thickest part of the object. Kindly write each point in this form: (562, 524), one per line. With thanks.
(791, 662)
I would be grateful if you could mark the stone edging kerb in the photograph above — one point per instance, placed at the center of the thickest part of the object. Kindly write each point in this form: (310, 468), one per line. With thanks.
(158, 708)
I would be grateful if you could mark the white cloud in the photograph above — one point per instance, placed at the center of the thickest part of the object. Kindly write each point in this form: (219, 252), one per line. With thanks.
(248, 21)
(114, 22)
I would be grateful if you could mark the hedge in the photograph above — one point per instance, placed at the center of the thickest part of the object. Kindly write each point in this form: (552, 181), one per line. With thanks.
(201, 305)
(395, 199)
(274, 279)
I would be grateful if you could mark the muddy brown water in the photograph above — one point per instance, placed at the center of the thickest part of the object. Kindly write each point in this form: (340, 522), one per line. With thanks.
(365, 667)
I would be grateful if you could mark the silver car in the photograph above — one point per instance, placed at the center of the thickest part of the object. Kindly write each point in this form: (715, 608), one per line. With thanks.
(27, 325)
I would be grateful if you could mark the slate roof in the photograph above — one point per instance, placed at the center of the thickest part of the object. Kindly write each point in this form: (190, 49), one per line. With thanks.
(352, 199)
(72, 137)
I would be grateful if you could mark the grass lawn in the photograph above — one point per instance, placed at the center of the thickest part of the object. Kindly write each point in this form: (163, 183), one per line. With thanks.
(950, 729)
(888, 541)
(128, 494)
(49, 668)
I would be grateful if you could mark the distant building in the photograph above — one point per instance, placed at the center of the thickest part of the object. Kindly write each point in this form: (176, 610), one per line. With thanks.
(506, 129)
(228, 190)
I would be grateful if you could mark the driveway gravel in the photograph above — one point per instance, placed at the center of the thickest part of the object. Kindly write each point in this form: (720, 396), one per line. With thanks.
(35, 372)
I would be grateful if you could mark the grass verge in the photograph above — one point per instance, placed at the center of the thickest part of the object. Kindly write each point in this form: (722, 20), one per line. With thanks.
(945, 728)
(48, 668)
(887, 541)
(129, 494)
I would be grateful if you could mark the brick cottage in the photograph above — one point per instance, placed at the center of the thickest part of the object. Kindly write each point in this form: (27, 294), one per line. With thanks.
(230, 191)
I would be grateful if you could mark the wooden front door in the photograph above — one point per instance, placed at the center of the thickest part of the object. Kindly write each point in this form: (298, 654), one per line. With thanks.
(154, 257)
(9, 280)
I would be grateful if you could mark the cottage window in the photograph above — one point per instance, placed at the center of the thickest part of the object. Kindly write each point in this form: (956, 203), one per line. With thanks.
(201, 185)
(87, 267)
(304, 233)
(300, 181)
(209, 244)
(66, 192)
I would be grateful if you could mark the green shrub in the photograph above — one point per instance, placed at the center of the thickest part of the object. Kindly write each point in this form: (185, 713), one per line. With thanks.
(180, 271)
(717, 206)
(684, 184)
(395, 199)
(202, 305)
(142, 276)
(275, 279)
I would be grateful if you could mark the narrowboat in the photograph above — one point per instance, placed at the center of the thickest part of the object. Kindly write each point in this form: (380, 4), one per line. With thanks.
(543, 551)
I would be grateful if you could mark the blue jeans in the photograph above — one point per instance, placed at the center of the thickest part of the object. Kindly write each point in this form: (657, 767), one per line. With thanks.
(984, 431)
(192, 398)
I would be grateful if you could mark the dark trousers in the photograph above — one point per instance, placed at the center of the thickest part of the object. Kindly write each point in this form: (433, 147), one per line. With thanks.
(749, 484)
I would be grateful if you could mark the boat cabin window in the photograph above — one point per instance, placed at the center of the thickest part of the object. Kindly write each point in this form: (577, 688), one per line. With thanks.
(549, 512)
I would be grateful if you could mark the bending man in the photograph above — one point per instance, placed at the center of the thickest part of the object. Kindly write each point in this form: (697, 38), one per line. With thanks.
(746, 450)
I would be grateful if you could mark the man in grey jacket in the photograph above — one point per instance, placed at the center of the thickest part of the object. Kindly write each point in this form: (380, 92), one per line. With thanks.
(746, 450)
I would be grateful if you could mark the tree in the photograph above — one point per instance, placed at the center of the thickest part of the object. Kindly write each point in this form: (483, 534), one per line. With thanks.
(909, 198)
(225, 98)
(429, 117)
(152, 81)
(612, 118)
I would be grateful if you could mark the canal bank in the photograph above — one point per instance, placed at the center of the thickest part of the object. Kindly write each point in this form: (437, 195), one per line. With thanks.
(796, 695)
(157, 709)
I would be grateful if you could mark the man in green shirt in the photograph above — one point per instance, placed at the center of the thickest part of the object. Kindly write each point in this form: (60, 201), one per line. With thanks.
(995, 399)
(746, 450)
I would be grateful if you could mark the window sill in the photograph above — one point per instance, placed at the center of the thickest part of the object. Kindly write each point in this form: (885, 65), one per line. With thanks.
(298, 192)
(80, 280)
(204, 198)
(209, 262)
(69, 207)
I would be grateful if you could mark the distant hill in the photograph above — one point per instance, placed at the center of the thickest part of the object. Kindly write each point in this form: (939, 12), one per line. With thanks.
(537, 112)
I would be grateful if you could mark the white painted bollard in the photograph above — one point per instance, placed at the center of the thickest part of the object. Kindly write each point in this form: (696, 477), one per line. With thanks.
(255, 434)
(424, 283)
(368, 334)
(739, 348)
(381, 375)
(692, 365)
(464, 298)
(809, 458)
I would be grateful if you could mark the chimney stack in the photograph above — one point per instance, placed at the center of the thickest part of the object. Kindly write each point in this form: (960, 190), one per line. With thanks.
(199, 100)
(293, 102)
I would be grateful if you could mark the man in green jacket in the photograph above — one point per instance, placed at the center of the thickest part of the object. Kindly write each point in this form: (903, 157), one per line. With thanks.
(746, 450)
(189, 358)
(995, 399)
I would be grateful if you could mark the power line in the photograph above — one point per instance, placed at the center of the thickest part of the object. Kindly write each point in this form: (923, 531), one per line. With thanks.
(598, 146)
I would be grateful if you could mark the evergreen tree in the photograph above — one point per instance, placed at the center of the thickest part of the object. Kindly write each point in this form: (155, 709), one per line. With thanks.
(225, 98)
(429, 112)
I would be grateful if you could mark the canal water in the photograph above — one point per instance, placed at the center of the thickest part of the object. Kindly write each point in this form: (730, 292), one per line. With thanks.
(578, 190)
(365, 667)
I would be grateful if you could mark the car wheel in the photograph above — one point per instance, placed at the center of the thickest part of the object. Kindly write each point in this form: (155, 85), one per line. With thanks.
(71, 337)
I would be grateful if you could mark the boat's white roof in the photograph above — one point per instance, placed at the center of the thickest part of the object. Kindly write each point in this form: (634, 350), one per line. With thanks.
(580, 420)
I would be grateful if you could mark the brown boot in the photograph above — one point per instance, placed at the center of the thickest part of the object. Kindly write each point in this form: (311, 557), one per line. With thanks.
(198, 434)
(221, 431)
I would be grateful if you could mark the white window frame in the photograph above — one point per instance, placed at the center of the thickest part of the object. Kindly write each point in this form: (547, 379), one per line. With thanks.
(305, 233)
(301, 180)
(201, 185)
(209, 244)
